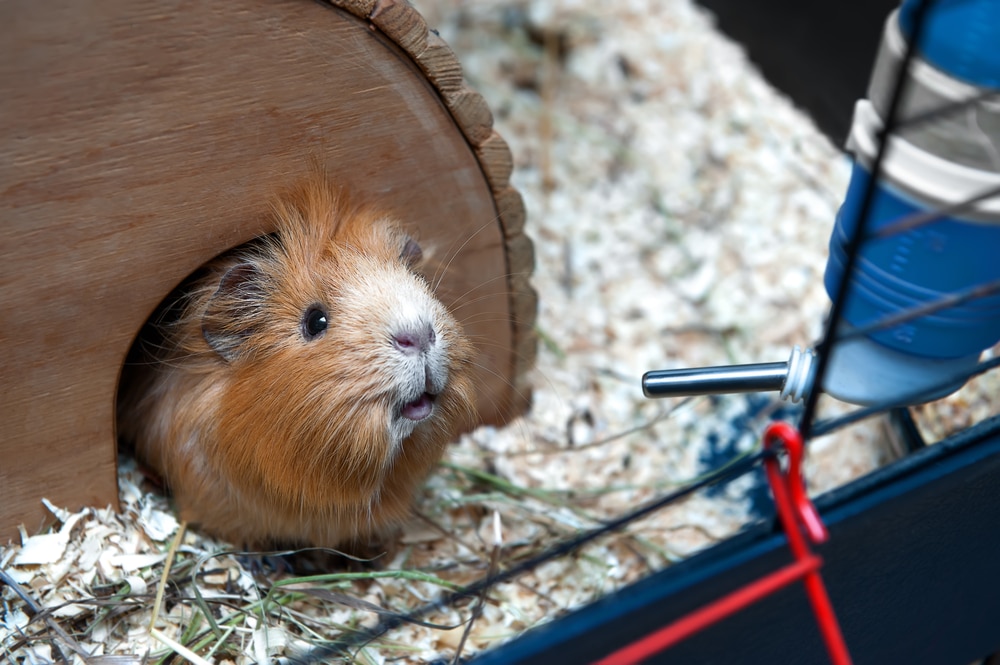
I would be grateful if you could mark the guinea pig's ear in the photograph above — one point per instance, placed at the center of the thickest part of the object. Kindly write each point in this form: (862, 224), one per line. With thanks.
(412, 255)
(233, 310)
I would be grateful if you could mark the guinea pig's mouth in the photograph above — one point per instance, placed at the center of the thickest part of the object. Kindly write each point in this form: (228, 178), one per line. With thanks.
(419, 408)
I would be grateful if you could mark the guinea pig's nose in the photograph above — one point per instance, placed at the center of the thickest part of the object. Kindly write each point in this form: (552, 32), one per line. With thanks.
(415, 340)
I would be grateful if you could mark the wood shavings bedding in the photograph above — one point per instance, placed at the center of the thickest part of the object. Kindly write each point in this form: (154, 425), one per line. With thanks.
(680, 209)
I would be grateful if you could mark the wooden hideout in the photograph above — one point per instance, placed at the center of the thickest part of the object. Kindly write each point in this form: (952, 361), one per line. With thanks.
(139, 140)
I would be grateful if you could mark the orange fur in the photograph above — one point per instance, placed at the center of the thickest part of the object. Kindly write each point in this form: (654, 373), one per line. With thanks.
(268, 437)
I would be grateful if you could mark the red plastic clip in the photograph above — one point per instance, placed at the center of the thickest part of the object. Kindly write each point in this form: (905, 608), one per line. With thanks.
(796, 513)
(785, 436)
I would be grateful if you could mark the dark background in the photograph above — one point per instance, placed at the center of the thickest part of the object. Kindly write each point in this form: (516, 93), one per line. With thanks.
(818, 53)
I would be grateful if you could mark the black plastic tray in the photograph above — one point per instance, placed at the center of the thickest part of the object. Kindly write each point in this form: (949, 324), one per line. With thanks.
(912, 567)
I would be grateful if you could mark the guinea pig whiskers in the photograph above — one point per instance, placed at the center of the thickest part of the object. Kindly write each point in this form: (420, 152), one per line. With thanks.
(486, 317)
(459, 302)
(503, 379)
(442, 269)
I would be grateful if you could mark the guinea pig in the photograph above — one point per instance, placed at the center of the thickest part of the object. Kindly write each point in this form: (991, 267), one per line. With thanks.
(300, 388)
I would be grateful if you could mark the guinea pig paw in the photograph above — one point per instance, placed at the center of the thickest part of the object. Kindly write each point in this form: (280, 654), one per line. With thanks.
(420, 408)
(261, 565)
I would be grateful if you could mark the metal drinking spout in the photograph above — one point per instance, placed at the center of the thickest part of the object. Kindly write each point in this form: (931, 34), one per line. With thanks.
(792, 379)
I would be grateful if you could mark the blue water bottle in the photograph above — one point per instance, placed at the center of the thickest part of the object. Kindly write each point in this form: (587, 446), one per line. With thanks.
(938, 163)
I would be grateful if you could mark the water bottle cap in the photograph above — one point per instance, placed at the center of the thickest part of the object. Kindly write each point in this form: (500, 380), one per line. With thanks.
(861, 371)
(928, 178)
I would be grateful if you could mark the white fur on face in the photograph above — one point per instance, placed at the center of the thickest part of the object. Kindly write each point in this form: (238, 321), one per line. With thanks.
(406, 307)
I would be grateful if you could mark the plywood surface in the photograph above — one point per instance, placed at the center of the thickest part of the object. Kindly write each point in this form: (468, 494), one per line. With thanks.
(138, 140)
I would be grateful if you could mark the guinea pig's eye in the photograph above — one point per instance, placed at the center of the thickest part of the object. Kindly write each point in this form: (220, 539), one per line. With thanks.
(314, 322)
